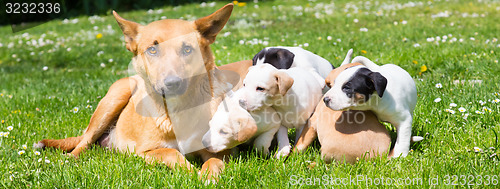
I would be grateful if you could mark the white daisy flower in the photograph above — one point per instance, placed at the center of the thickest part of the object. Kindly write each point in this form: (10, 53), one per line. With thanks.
(329, 38)
(37, 153)
(47, 161)
(21, 152)
(482, 102)
(439, 85)
(10, 128)
(453, 105)
(24, 146)
(437, 100)
(496, 100)
(462, 109)
(356, 20)
(477, 149)
(75, 110)
(45, 68)
(363, 29)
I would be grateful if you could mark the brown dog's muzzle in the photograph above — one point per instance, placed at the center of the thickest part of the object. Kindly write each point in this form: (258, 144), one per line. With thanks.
(172, 86)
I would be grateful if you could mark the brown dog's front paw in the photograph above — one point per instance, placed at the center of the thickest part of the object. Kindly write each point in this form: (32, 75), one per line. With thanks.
(211, 170)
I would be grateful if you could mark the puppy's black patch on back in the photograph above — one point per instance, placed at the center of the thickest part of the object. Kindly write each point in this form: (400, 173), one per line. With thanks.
(360, 83)
(277, 57)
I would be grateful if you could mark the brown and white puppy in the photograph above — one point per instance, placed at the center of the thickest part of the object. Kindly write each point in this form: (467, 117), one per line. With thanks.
(345, 135)
(293, 93)
(232, 125)
(151, 113)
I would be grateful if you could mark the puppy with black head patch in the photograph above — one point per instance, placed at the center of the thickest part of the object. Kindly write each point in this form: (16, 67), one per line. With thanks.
(388, 90)
(288, 57)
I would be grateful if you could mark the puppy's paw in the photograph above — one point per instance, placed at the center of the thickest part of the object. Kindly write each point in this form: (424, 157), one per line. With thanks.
(283, 152)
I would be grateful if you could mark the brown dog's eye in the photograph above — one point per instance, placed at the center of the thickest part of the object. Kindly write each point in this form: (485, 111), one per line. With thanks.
(260, 89)
(186, 50)
(152, 51)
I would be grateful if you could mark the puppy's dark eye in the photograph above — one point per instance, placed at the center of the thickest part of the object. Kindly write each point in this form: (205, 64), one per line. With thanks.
(152, 50)
(222, 132)
(346, 87)
(186, 50)
(260, 89)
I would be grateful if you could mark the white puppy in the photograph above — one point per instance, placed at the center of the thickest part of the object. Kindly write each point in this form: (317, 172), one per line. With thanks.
(290, 57)
(388, 90)
(232, 125)
(293, 93)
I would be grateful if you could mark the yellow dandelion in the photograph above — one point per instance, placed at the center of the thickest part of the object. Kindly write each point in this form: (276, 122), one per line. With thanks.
(1, 94)
(363, 51)
(98, 36)
(235, 2)
(242, 4)
(3, 121)
(423, 68)
(415, 62)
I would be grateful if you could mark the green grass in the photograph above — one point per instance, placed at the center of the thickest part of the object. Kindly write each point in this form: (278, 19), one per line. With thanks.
(39, 104)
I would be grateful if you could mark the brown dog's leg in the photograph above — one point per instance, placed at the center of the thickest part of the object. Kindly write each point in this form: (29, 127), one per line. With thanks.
(171, 157)
(66, 144)
(306, 138)
(213, 165)
(107, 112)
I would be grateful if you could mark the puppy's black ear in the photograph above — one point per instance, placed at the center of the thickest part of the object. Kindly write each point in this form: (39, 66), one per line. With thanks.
(258, 56)
(379, 81)
(285, 58)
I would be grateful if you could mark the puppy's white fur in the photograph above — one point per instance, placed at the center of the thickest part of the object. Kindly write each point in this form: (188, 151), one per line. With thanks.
(307, 60)
(225, 126)
(396, 105)
(295, 106)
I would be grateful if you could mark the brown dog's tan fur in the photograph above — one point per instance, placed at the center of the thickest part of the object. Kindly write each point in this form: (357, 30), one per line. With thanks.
(345, 135)
(137, 117)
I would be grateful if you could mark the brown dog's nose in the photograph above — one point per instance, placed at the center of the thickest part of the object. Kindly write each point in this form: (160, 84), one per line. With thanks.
(327, 100)
(172, 83)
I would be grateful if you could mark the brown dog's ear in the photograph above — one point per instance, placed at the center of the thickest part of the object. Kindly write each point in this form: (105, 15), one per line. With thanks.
(284, 81)
(209, 26)
(248, 128)
(130, 30)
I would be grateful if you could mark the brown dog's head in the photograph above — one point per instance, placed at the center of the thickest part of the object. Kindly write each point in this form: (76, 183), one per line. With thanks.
(170, 53)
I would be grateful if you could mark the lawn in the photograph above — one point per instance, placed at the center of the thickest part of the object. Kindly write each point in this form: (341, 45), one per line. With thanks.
(52, 77)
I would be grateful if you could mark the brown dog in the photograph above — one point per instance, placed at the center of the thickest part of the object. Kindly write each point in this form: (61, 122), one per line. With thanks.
(345, 135)
(151, 113)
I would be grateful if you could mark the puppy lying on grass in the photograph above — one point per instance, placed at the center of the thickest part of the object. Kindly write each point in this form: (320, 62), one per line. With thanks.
(232, 125)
